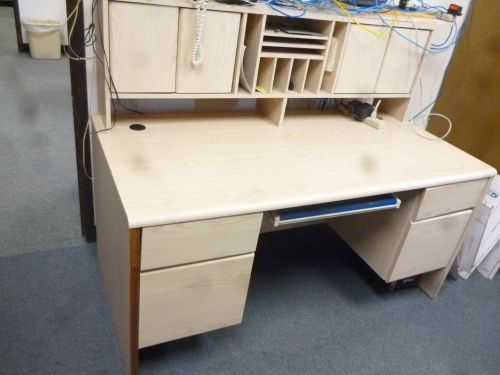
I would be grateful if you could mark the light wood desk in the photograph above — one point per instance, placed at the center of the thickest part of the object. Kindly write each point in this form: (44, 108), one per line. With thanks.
(179, 207)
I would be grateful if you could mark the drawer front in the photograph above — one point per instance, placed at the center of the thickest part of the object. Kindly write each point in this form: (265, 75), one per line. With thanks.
(430, 244)
(188, 300)
(175, 244)
(445, 199)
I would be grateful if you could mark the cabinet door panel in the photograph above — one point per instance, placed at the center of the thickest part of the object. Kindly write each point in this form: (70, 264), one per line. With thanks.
(361, 60)
(219, 43)
(402, 61)
(143, 45)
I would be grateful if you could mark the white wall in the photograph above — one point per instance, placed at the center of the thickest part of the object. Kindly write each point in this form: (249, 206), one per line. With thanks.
(435, 65)
(431, 78)
(43, 9)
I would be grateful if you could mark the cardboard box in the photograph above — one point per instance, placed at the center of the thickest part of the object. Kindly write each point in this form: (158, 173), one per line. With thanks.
(484, 232)
(491, 263)
(491, 234)
(471, 244)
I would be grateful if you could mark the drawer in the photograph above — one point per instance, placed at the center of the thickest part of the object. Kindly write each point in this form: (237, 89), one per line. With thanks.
(187, 300)
(219, 44)
(444, 199)
(430, 244)
(175, 244)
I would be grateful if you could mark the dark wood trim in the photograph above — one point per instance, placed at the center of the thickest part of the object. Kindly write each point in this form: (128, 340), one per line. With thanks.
(19, 32)
(135, 271)
(80, 117)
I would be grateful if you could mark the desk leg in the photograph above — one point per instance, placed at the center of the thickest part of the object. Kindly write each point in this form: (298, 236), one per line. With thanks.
(432, 282)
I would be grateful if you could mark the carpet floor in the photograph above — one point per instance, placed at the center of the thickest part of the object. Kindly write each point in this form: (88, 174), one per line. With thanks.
(39, 203)
(313, 308)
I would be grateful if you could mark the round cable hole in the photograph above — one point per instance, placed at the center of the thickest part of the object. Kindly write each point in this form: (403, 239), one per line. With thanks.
(137, 127)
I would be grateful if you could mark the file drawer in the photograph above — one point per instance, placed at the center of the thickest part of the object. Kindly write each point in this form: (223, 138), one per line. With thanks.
(175, 244)
(444, 199)
(429, 244)
(187, 300)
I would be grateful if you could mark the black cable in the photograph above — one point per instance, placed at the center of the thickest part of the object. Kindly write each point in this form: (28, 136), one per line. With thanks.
(111, 84)
(447, 38)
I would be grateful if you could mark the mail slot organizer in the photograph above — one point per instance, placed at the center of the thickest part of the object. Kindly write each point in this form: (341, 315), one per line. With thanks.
(335, 209)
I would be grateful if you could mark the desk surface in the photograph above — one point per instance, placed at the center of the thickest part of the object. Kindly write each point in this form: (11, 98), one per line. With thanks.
(200, 167)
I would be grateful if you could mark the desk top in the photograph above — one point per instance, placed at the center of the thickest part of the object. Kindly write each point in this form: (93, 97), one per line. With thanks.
(200, 167)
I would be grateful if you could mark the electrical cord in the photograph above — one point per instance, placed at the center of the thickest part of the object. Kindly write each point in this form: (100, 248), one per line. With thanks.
(88, 39)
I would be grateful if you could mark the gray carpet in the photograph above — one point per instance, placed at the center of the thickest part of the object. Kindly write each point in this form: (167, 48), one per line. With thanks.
(39, 202)
(312, 309)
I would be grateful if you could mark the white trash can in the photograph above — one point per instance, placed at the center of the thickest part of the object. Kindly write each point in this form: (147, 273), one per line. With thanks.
(44, 37)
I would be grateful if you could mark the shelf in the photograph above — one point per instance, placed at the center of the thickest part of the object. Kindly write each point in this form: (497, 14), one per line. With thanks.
(243, 94)
(292, 44)
(281, 34)
(291, 55)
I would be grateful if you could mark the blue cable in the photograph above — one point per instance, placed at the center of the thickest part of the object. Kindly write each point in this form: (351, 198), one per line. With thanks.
(287, 15)
(379, 6)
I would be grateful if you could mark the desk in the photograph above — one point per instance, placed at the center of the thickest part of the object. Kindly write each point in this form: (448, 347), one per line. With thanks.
(179, 208)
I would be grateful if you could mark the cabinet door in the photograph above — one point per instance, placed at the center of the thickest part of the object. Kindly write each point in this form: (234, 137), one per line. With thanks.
(219, 43)
(402, 61)
(361, 60)
(143, 45)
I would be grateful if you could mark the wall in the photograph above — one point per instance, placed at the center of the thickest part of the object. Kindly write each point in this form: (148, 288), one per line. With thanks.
(471, 91)
(46, 9)
(435, 65)
(432, 73)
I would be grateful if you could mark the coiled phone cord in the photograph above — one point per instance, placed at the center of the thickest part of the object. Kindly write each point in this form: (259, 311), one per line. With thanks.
(197, 55)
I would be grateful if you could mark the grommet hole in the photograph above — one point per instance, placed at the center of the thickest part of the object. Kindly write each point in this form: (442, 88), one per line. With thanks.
(137, 127)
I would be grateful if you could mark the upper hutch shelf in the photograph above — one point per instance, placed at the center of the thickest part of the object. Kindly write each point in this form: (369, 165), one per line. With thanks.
(252, 53)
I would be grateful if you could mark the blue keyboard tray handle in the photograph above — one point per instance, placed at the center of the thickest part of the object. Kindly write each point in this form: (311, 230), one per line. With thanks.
(335, 209)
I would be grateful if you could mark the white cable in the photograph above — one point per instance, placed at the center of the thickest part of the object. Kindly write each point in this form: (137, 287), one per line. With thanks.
(412, 120)
(73, 14)
(197, 55)
(450, 124)
(83, 150)
(87, 127)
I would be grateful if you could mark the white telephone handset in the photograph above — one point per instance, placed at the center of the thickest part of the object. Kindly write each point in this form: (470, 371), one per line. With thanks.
(197, 55)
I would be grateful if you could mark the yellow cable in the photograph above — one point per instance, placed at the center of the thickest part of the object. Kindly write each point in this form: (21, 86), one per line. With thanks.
(366, 28)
